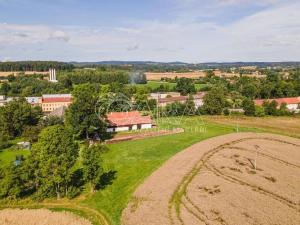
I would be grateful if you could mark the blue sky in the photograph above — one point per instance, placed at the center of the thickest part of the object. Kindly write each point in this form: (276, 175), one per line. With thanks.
(158, 30)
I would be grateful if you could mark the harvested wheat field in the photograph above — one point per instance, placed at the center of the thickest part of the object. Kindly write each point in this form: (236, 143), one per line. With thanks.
(243, 178)
(39, 217)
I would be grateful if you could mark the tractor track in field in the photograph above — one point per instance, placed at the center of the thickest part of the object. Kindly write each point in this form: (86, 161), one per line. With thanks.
(181, 206)
(204, 163)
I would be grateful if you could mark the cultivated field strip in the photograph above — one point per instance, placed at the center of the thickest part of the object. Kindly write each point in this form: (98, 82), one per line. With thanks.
(182, 208)
(93, 215)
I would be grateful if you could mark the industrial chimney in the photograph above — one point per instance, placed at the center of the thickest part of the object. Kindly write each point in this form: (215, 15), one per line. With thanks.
(52, 75)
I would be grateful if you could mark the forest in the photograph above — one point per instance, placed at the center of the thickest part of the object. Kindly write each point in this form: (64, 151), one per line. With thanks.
(40, 66)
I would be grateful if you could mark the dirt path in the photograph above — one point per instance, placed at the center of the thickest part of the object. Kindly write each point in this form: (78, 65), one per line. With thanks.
(215, 182)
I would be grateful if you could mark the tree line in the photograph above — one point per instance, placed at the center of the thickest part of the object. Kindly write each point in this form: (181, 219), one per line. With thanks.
(50, 169)
(34, 66)
(36, 85)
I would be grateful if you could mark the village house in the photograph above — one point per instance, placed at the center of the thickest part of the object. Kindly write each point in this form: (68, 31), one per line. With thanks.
(52, 102)
(292, 104)
(48, 103)
(197, 98)
(34, 101)
(164, 95)
(126, 121)
(2, 100)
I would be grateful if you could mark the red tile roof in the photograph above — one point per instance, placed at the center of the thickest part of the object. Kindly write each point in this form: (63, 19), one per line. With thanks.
(119, 119)
(57, 99)
(295, 100)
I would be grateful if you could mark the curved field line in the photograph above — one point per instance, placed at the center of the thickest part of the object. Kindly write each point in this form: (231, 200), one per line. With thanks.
(101, 219)
(176, 199)
(256, 188)
(266, 155)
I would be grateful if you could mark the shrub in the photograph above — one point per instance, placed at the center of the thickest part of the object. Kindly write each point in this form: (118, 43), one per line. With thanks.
(259, 111)
(226, 112)
(249, 107)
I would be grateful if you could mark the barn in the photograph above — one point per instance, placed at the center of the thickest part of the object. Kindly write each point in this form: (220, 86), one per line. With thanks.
(126, 121)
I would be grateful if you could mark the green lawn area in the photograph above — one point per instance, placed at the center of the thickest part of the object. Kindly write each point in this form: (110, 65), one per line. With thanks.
(9, 154)
(136, 160)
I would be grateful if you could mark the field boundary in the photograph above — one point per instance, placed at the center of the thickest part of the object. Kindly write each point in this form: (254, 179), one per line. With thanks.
(93, 215)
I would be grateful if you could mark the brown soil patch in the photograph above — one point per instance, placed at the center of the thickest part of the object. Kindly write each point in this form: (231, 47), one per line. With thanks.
(194, 75)
(16, 73)
(216, 182)
(39, 217)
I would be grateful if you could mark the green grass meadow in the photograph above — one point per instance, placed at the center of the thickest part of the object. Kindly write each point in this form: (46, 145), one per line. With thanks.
(134, 161)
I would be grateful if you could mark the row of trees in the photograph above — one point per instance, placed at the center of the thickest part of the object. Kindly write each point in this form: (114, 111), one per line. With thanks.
(49, 169)
(31, 85)
(35, 85)
(216, 102)
(16, 116)
(34, 66)
(94, 76)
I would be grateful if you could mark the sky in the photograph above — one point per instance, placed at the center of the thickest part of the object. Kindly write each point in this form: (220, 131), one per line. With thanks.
(157, 30)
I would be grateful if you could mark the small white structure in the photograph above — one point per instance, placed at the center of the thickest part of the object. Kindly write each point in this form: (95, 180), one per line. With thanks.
(164, 95)
(34, 101)
(2, 100)
(52, 75)
(24, 145)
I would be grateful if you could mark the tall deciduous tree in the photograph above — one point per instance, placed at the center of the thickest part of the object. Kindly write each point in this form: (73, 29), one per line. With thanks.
(56, 153)
(249, 107)
(82, 114)
(185, 86)
(16, 115)
(214, 101)
(92, 164)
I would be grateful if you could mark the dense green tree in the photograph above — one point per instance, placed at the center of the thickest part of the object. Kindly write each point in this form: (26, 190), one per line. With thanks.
(34, 66)
(56, 153)
(92, 164)
(249, 90)
(83, 116)
(271, 108)
(185, 86)
(12, 180)
(31, 133)
(249, 107)
(142, 102)
(174, 109)
(16, 115)
(214, 101)
(259, 111)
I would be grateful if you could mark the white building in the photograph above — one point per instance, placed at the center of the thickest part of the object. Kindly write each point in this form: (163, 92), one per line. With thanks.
(292, 104)
(125, 121)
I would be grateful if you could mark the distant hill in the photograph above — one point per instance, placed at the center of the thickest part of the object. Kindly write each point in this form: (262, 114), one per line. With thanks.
(183, 64)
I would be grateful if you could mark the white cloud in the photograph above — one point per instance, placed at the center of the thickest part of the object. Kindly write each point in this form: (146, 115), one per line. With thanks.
(15, 33)
(269, 35)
